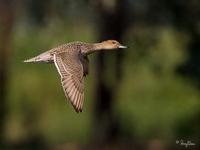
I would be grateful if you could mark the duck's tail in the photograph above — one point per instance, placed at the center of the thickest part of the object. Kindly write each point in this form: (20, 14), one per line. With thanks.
(44, 57)
(34, 59)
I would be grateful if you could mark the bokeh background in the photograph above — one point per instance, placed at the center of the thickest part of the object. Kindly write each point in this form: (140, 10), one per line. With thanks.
(144, 97)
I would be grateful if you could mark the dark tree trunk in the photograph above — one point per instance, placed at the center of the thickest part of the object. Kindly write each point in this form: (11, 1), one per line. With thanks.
(186, 18)
(112, 25)
(39, 11)
(6, 24)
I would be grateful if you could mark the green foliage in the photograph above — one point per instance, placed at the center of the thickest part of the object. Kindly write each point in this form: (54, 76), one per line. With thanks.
(152, 97)
(151, 100)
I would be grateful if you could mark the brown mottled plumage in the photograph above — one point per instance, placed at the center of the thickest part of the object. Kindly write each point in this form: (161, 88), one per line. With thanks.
(72, 64)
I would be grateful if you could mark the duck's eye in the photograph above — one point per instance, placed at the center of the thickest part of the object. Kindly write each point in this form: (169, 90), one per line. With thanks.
(113, 42)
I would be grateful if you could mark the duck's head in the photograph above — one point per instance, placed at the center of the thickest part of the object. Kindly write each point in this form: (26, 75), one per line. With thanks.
(111, 44)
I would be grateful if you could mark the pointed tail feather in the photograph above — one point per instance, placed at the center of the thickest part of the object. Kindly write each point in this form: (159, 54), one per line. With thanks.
(34, 59)
(45, 57)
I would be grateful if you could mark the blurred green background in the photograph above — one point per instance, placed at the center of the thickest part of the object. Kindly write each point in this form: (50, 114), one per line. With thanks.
(143, 97)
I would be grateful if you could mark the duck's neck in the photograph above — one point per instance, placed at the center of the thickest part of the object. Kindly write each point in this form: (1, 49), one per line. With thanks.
(97, 46)
(93, 48)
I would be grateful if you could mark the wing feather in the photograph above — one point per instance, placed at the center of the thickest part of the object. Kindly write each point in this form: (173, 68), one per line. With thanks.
(70, 69)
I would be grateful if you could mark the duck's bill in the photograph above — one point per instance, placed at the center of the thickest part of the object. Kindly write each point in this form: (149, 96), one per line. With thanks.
(121, 46)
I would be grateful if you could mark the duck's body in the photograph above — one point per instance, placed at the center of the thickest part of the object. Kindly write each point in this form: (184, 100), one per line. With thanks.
(78, 49)
(72, 47)
(72, 64)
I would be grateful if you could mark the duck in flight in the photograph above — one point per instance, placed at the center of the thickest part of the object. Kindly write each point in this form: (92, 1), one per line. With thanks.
(72, 63)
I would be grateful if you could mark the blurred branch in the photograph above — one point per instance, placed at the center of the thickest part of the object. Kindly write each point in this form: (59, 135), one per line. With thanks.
(6, 24)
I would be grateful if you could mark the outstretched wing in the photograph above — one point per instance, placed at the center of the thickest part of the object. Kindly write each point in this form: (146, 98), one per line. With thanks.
(71, 71)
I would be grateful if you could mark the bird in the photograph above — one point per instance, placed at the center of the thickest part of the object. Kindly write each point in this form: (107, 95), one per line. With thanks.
(72, 63)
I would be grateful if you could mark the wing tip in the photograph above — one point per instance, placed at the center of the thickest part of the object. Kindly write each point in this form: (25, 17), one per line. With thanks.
(78, 110)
